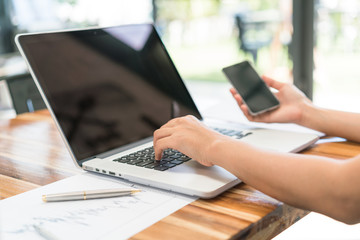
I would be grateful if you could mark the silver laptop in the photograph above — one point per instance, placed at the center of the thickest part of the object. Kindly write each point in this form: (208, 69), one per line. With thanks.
(108, 89)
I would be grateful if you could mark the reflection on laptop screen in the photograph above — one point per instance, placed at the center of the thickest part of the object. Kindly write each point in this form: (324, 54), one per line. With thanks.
(109, 87)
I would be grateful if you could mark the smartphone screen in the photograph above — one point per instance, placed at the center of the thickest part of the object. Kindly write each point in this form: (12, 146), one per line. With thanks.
(253, 90)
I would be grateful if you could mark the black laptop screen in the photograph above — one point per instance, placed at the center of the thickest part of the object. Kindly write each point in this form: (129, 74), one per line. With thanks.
(107, 87)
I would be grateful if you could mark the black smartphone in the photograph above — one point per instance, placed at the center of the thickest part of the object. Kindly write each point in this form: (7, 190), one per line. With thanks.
(251, 87)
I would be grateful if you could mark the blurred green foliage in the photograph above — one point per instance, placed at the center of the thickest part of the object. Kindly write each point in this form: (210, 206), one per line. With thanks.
(71, 2)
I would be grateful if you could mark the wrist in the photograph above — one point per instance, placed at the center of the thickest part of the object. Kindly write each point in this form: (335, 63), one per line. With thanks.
(215, 149)
(223, 148)
(307, 113)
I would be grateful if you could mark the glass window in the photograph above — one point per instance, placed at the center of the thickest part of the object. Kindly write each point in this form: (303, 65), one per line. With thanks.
(203, 36)
(336, 54)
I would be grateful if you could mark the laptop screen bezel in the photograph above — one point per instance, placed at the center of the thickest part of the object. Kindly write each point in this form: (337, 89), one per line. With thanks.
(21, 41)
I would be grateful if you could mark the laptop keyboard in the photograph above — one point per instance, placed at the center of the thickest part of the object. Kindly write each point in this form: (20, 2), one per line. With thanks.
(237, 134)
(146, 158)
(171, 158)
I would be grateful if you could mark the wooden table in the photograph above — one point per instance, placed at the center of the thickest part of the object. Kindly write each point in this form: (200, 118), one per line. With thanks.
(32, 154)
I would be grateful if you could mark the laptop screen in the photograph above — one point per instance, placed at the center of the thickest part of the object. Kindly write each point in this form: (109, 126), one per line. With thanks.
(107, 87)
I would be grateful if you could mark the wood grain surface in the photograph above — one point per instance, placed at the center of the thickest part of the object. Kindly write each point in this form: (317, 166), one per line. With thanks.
(32, 154)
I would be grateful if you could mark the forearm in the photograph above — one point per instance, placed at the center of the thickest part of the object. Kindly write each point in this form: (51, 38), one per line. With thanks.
(302, 181)
(331, 122)
(310, 182)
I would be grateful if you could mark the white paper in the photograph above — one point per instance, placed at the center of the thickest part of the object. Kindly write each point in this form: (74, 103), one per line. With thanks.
(316, 226)
(25, 216)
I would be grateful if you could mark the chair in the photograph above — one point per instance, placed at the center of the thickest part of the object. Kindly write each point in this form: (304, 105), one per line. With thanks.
(24, 93)
(255, 30)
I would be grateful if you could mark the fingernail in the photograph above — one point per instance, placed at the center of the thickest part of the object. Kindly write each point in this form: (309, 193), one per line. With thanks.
(158, 159)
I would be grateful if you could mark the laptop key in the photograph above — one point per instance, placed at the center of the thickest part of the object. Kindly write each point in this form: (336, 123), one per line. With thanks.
(146, 158)
(122, 160)
(151, 165)
(167, 159)
(184, 158)
(161, 162)
(177, 155)
(161, 168)
(177, 162)
(142, 164)
(134, 162)
(169, 165)
(237, 134)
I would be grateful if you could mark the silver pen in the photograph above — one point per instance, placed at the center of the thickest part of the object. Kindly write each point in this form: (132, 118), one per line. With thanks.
(90, 194)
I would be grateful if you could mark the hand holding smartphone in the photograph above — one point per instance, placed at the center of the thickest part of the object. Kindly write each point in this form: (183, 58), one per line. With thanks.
(251, 87)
